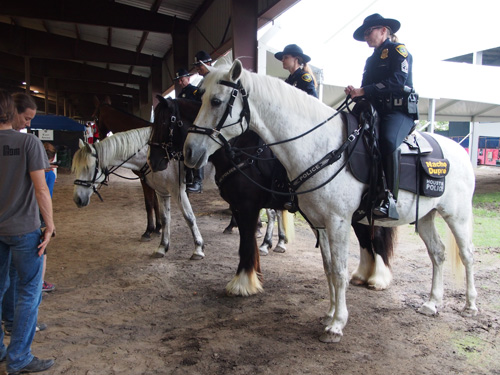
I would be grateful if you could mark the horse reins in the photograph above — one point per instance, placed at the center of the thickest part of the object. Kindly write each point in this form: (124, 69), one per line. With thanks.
(327, 160)
(144, 171)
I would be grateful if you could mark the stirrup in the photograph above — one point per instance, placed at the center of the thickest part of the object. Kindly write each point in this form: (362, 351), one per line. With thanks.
(387, 209)
(291, 207)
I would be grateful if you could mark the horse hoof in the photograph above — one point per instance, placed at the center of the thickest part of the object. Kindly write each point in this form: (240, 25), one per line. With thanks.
(145, 238)
(375, 286)
(228, 231)
(330, 337)
(196, 257)
(469, 313)
(427, 310)
(158, 254)
(279, 249)
(263, 253)
(356, 281)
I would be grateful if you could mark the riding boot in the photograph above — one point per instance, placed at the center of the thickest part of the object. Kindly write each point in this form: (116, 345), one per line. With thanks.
(387, 208)
(197, 184)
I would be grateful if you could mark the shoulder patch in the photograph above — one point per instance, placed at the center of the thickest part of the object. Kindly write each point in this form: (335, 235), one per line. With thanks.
(306, 77)
(402, 50)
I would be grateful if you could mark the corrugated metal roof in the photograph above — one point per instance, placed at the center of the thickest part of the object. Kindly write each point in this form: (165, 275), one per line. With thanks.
(183, 9)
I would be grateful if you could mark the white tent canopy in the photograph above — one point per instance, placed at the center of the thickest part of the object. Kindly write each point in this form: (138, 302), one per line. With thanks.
(455, 92)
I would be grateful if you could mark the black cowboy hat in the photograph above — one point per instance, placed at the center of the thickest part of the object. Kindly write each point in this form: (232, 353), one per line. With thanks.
(294, 50)
(201, 56)
(182, 73)
(375, 20)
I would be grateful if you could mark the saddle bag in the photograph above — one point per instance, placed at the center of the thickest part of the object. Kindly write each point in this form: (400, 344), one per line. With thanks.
(433, 181)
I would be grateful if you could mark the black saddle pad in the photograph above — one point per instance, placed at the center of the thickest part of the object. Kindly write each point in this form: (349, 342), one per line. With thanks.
(432, 167)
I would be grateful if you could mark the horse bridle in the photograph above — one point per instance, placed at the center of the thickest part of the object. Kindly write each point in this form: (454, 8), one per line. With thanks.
(175, 119)
(92, 183)
(106, 172)
(214, 133)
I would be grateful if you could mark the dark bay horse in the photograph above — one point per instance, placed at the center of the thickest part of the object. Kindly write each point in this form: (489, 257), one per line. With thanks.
(111, 119)
(174, 117)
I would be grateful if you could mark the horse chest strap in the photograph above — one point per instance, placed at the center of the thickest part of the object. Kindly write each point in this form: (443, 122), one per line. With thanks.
(328, 159)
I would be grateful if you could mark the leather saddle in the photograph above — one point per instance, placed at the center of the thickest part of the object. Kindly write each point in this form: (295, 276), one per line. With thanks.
(422, 162)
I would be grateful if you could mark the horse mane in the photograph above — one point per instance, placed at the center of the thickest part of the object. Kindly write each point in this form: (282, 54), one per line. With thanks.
(277, 92)
(118, 146)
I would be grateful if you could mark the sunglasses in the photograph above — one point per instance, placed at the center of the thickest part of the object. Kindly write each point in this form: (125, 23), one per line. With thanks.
(369, 31)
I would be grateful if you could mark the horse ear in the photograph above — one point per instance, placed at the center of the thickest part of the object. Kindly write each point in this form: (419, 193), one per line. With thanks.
(236, 70)
(107, 100)
(81, 144)
(160, 98)
(96, 101)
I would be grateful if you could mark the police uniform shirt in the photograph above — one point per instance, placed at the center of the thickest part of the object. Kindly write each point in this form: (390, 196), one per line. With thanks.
(198, 92)
(189, 92)
(302, 80)
(387, 71)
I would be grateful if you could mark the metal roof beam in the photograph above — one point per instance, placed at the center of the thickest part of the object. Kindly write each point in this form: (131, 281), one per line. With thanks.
(25, 42)
(73, 86)
(95, 12)
(68, 70)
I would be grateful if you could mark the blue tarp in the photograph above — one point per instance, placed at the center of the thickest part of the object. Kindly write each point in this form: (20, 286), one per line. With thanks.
(56, 123)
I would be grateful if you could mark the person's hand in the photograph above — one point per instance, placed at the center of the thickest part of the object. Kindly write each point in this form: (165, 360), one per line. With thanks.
(354, 92)
(348, 90)
(47, 234)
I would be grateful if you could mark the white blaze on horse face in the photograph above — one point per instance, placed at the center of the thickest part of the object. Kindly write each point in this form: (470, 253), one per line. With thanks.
(84, 171)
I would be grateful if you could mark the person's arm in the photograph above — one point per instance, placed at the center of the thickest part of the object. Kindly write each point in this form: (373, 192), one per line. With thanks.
(42, 195)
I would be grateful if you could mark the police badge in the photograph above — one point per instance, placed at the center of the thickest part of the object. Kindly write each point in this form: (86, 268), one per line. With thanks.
(306, 77)
(384, 54)
(402, 50)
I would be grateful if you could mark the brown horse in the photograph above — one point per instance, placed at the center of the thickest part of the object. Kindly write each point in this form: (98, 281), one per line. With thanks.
(111, 119)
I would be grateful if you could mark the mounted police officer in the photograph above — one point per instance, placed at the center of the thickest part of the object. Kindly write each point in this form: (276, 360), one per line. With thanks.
(197, 174)
(295, 61)
(187, 89)
(387, 84)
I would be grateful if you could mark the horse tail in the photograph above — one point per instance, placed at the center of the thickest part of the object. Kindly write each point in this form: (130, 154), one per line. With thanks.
(289, 225)
(383, 242)
(453, 252)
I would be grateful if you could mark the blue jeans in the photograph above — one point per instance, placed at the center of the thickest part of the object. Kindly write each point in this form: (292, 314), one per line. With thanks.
(22, 251)
(9, 299)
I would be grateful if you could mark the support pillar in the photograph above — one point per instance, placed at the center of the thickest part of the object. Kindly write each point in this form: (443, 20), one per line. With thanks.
(244, 25)
(432, 114)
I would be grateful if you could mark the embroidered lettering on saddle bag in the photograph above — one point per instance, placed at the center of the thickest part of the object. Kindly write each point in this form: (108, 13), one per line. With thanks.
(433, 179)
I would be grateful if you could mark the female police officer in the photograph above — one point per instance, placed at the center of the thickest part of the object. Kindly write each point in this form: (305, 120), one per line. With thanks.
(295, 61)
(387, 85)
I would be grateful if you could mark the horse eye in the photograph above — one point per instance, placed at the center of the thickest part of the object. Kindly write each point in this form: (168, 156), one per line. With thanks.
(216, 102)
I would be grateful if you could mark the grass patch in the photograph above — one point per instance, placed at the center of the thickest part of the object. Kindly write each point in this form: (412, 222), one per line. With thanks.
(474, 349)
(486, 212)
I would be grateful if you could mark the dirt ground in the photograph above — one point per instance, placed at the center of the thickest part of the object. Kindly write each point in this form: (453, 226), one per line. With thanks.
(116, 310)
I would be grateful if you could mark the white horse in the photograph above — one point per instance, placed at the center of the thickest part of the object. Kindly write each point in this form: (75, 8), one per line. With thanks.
(129, 150)
(277, 111)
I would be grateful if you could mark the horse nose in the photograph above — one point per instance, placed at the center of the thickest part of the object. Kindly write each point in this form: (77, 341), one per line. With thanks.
(79, 202)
